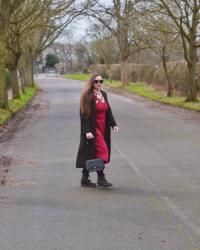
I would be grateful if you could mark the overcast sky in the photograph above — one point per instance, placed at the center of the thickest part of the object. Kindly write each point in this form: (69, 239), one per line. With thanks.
(80, 28)
(77, 30)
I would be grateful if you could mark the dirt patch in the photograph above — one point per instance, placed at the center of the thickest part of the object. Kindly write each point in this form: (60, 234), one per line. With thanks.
(32, 110)
(17, 182)
(7, 130)
(4, 199)
(5, 162)
(32, 163)
(6, 179)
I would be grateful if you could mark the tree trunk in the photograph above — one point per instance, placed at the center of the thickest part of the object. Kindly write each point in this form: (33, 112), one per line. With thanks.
(125, 53)
(125, 73)
(29, 71)
(3, 87)
(136, 55)
(192, 56)
(26, 77)
(26, 69)
(169, 84)
(27, 74)
(191, 84)
(20, 69)
(15, 83)
(32, 73)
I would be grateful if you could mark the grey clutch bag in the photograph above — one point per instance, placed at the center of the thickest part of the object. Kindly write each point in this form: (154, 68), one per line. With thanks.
(95, 165)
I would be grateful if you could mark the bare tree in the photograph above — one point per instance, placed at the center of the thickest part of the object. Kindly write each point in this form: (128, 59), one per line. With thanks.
(103, 45)
(56, 17)
(7, 8)
(120, 18)
(22, 21)
(185, 15)
(160, 35)
(28, 37)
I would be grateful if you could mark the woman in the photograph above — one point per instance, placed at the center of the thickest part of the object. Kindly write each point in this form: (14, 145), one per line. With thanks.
(96, 120)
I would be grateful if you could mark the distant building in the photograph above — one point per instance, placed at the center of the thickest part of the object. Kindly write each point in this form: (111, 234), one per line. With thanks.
(57, 49)
(72, 58)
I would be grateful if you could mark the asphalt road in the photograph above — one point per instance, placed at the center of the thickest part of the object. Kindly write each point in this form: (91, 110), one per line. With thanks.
(155, 170)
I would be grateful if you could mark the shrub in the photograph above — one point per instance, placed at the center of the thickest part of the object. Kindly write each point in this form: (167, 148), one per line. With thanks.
(102, 69)
(140, 72)
(178, 75)
(51, 60)
(134, 72)
(115, 72)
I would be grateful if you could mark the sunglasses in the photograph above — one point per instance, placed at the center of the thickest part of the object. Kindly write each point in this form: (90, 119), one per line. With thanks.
(98, 81)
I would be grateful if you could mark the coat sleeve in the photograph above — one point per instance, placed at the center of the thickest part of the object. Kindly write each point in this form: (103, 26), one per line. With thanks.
(85, 123)
(111, 117)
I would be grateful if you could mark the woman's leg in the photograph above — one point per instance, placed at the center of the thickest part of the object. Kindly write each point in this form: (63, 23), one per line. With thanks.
(85, 181)
(102, 180)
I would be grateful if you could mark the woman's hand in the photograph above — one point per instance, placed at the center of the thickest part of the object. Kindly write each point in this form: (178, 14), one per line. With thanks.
(89, 135)
(116, 129)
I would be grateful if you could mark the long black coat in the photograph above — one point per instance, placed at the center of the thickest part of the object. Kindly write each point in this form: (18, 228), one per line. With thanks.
(87, 148)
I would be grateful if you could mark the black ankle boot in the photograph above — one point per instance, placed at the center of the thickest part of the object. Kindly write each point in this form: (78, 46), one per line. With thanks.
(102, 180)
(85, 181)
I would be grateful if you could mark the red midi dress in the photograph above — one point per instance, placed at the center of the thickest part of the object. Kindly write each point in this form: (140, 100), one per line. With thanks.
(101, 146)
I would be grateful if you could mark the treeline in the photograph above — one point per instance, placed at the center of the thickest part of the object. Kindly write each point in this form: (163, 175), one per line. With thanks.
(121, 31)
(156, 24)
(27, 27)
(146, 31)
(150, 74)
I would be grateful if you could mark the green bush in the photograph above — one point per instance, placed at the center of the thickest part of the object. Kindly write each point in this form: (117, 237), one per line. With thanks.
(51, 60)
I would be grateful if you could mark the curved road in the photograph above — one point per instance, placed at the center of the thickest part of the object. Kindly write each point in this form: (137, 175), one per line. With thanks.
(155, 170)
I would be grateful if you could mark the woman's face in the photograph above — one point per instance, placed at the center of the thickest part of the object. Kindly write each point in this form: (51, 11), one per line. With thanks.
(98, 81)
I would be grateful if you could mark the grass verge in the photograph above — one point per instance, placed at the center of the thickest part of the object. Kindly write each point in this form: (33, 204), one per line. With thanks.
(147, 91)
(142, 89)
(17, 104)
(82, 77)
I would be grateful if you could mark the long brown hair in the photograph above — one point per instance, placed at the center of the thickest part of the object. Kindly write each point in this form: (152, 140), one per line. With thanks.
(86, 96)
